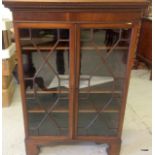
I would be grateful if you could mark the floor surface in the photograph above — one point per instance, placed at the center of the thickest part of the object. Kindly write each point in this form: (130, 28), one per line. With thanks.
(137, 132)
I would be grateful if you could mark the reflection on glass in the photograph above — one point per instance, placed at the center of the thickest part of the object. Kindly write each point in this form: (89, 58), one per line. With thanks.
(103, 62)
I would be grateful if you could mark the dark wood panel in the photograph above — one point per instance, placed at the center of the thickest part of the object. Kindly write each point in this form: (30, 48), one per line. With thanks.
(145, 41)
(105, 17)
(74, 1)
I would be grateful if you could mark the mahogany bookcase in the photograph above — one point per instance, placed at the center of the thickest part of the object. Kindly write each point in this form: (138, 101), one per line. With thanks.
(74, 63)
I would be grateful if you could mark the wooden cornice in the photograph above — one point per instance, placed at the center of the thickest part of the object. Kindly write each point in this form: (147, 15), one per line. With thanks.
(75, 4)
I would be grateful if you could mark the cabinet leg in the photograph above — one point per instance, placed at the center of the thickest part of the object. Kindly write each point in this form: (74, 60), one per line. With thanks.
(32, 149)
(114, 148)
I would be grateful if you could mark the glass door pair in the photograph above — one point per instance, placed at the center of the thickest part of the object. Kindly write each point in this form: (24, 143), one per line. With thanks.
(73, 91)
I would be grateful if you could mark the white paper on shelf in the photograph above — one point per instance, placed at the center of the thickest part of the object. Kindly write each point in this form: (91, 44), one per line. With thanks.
(84, 81)
(8, 52)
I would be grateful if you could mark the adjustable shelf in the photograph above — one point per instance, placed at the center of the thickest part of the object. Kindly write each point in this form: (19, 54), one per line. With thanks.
(31, 92)
(63, 47)
(114, 108)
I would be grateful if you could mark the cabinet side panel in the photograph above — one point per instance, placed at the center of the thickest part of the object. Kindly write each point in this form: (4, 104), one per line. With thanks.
(132, 50)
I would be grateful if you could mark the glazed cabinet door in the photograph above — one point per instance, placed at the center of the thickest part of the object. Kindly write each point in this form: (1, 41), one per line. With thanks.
(102, 73)
(46, 73)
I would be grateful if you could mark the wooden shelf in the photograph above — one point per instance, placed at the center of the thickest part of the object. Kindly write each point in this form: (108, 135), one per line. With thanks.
(103, 48)
(83, 109)
(85, 105)
(30, 92)
(44, 48)
(65, 46)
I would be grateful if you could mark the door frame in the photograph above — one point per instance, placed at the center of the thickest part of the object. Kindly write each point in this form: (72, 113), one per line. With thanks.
(20, 25)
(135, 27)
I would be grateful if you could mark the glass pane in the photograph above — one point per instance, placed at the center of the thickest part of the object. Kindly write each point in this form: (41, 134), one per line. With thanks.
(46, 74)
(103, 60)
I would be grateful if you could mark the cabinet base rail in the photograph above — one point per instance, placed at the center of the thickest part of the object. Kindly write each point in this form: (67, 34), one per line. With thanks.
(33, 145)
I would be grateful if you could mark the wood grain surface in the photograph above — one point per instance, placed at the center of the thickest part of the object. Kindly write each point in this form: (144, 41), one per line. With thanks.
(76, 1)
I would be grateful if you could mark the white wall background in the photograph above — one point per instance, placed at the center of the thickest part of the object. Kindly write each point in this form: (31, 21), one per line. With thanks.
(5, 13)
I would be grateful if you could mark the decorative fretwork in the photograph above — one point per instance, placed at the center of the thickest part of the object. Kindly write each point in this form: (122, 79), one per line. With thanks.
(117, 38)
(36, 82)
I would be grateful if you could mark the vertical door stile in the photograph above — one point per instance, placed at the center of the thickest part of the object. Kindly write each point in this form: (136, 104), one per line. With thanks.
(21, 78)
(72, 82)
(77, 30)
